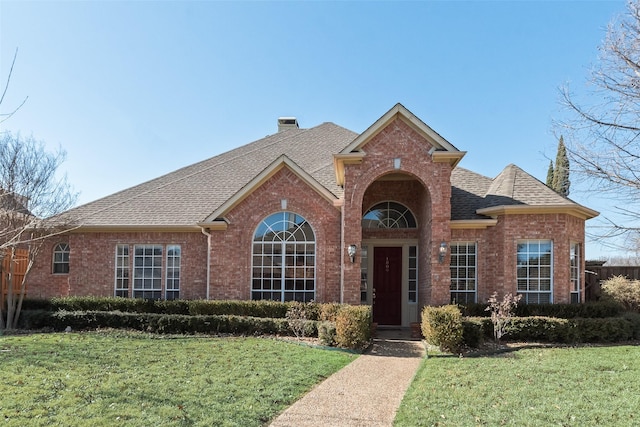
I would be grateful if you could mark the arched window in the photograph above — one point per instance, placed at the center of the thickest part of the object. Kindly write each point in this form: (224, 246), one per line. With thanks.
(61, 258)
(388, 215)
(284, 259)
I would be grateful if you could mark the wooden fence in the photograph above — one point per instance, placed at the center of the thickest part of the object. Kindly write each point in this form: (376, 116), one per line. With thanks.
(596, 272)
(19, 269)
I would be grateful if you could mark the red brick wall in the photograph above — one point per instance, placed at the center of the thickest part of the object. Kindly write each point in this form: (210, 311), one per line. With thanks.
(432, 204)
(92, 264)
(497, 247)
(231, 250)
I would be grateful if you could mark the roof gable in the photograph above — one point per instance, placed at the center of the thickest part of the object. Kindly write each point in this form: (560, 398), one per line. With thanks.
(399, 111)
(281, 162)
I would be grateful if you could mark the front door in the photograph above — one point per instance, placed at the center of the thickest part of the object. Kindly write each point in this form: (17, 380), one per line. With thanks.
(387, 285)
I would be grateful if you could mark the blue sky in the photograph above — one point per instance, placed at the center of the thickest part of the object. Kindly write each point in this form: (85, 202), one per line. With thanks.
(135, 89)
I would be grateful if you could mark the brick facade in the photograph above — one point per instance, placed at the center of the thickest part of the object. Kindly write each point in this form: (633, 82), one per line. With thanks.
(396, 164)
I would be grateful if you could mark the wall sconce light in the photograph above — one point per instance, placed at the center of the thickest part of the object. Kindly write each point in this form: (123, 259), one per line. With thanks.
(351, 250)
(442, 252)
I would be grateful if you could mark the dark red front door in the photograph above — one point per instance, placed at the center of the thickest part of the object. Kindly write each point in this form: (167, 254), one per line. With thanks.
(387, 282)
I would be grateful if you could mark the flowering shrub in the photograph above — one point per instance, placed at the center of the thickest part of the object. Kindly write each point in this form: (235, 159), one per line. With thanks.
(501, 312)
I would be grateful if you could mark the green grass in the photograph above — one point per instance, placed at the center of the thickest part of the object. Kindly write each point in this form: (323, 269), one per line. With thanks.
(589, 386)
(127, 379)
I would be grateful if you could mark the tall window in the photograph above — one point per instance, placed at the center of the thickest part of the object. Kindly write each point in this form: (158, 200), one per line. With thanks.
(364, 279)
(147, 271)
(61, 258)
(574, 266)
(535, 275)
(388, 215)
(122, 271)
(413, 274)
(463, 273)
(172, 288)
(284, 259)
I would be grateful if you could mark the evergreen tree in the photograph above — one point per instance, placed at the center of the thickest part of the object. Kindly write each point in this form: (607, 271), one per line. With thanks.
(550, 175)
(560, 182)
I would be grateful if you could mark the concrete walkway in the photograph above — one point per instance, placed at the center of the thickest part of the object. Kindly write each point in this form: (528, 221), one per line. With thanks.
(367, 392)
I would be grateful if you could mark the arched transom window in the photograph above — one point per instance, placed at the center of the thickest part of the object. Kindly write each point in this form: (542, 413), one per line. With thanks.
(284, 259)
(388, 215)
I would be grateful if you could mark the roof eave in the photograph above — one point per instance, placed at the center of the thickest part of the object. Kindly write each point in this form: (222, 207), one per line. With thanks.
(465, 224)
(451, 157)
(339, 160)
(132, 228)
(574, 210)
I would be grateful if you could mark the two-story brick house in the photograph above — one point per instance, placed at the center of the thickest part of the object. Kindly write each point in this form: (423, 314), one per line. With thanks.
(385, 217)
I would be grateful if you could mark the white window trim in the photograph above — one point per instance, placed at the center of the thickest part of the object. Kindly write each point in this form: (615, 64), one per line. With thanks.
(551, 271)
(131, 268)
(466, 267)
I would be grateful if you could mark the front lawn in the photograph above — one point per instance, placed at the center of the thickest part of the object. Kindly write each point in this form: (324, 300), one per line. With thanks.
(589, 386)
(134, 379)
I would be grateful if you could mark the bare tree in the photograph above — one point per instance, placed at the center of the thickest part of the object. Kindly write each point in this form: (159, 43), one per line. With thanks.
(603, 129)
(5, 116)
(31, 198)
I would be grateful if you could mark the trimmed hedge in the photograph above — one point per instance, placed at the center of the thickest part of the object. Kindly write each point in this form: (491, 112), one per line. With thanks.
(270, 309)
(600, 309)
(343, 325)
(156, 323)
(443, 327)
(550, 329)
(353, 326)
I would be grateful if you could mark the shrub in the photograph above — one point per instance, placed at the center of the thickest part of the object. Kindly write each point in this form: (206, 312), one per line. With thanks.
(622, 291)
(327, 333)
(157, 323)
(329, 311)
(353, 327)
(442, 327)
(473, 331)
(501, 313)
(599, 309)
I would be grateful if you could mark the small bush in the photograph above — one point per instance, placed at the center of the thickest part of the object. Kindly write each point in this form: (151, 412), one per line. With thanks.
(329, 311)
(623, 291)
(327, 333)
(442, 327)
(353, 327)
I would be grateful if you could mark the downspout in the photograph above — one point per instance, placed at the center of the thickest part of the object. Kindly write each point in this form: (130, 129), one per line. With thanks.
(206, 233)
(342, 254)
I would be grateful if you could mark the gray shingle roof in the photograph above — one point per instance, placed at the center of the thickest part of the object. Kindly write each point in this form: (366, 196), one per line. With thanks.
(187, 196)
(513, 186)
(190, 194)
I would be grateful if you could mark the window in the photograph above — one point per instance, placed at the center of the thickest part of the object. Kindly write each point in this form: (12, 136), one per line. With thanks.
(574, 266)
(61, 258)
(364, 284)
(148, 271)
(122, 271)
(172, 288)
(463, 273)
(284, 259)
(413, 274)
(388, 215)
(534, 274)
